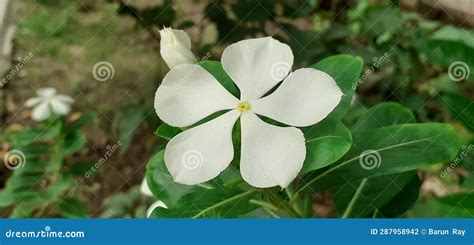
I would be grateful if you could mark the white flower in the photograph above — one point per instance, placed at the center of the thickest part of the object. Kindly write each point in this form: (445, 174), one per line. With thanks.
(47, 101)
(270, 155)
(175, 47)
(145, 190)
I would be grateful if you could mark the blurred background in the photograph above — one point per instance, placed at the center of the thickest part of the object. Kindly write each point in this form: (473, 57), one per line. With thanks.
(105, 55)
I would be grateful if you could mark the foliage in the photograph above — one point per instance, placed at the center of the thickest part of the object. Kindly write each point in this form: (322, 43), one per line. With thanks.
(43, 174)
(406, 117)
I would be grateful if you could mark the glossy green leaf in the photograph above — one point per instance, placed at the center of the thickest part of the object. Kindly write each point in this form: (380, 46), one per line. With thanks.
(387, 150)
(74, 142)
(345, 69)
(214, 203)
(326, 142)
(71, 207)
(383, 114)
(403, 201)
(167, 132)
(215, 68)
(461, 108)
(358, 199)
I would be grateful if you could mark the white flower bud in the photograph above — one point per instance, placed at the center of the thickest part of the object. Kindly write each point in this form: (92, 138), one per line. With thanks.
(176, 47)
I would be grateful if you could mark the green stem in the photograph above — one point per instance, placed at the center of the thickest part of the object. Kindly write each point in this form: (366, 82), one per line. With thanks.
(234, 183)
(308, 206)
(278, 201)
(57, 159)
(376, 212)
(268, 207)
(263, 204)
(354, 199)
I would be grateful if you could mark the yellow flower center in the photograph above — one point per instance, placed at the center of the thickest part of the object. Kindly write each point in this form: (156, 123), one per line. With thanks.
(243, 106)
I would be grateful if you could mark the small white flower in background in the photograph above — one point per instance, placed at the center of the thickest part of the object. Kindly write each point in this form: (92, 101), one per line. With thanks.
(48, 102)
(270, 155)
(175, 47)
(145, 190)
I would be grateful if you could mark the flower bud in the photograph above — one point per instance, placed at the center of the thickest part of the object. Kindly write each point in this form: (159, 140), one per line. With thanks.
(176, 47)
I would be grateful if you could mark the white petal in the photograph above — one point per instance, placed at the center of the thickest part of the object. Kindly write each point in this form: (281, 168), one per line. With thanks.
(305, 97)
(59, 107)
(145, 189)
(175, 48)
(188, 94)
(64, 98)
(270, 155)
(171, 36)
(201, 153)
(33, 101)
(157, 204)
(41, 112)
(257, 65)
(46, 92)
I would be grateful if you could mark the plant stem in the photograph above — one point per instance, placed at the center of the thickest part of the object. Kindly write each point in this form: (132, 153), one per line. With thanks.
(268, 207)
(308, 206)
(349, 208)
(278, 201)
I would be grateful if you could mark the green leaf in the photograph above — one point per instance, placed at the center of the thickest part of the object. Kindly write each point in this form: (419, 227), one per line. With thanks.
(380, 20)
(215, 203)
(403, 201)
(81, 168)
(74, 142)
(461, 109)
(73, 208)
(326, 142)
(167, 132)
(393, 149)
(27, 136)
(215, 68)
(448, 45)
(443, 83)
(82, 121)
(361, 198)
(161, 183)
(124, 205)
(460, 205)
(383, 114)
(35, 197)
(38, 183)
(345, 69)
